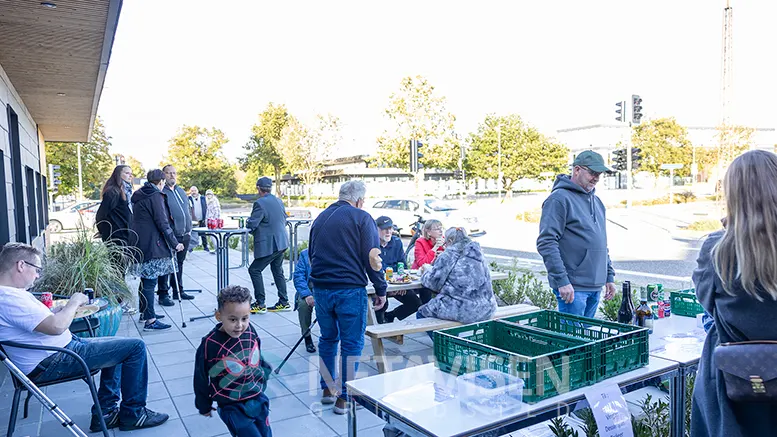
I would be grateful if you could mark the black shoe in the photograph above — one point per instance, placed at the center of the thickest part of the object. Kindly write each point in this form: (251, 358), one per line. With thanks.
(165, 301)
(280, 306)
(388, 317)
(147, 419)
(309, 346)
(185, 296)
(142, 317)
(111, 419)
(156, 326)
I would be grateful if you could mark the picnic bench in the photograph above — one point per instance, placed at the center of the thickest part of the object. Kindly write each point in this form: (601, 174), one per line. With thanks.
(398, 329)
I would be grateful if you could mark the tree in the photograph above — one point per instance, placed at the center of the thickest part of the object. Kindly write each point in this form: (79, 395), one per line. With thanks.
(304, 150)
(137, 167)
(96, 162)
(417, 113)
(733, 141)
(525, 153)
(262, 147)
(663, 141)
(196, 153)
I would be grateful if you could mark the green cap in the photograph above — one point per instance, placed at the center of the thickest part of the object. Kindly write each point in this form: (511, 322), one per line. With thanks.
(592, 160)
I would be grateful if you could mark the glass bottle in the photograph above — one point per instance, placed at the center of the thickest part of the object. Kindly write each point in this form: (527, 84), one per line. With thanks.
(626, 311)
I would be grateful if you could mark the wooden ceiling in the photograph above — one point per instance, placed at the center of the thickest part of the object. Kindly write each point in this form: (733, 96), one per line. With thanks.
(49, 51)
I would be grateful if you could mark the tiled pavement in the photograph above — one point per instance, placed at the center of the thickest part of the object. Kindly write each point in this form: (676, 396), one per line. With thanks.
(294, 396)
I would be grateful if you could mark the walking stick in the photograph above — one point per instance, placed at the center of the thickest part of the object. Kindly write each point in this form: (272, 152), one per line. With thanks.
(174, 278)
(44, 400)
(278, 369)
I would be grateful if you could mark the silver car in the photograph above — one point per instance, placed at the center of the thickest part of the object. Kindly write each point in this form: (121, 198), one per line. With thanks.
(403, 211)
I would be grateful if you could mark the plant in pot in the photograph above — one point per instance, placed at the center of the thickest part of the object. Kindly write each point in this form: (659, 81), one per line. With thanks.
(84, 262)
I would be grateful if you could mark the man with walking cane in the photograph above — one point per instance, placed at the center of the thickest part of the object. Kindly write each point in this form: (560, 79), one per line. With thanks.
(303, 301)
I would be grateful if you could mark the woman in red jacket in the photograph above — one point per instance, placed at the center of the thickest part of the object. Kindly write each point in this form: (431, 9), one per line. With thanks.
(429, 245)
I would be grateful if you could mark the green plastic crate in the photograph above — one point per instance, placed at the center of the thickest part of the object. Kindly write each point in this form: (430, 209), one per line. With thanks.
(547, 362)
(684, 303)
(618, 348)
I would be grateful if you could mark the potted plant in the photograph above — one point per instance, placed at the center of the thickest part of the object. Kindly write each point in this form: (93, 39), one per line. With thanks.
(84, 262)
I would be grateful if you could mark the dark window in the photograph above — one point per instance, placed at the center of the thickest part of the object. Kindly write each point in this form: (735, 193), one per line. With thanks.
(393, 204)
(5, 233)
(39, 200)
(45, 201)
(379, 204)
(16, 170)
(32, 208)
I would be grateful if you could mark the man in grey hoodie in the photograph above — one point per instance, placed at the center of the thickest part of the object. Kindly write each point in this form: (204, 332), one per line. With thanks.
(178, 202)
(573, 238)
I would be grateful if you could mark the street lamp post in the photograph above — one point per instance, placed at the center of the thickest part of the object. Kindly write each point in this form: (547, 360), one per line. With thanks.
(80, 178)
(499, 158)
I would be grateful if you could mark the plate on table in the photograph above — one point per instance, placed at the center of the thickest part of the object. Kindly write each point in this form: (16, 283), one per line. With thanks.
(82, 311)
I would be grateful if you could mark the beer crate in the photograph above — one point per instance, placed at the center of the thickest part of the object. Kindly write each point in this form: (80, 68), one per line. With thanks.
(684, 303)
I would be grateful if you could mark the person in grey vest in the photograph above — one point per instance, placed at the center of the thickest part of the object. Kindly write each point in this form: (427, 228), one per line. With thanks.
(573, 238)
(268, 225)
(178, 202)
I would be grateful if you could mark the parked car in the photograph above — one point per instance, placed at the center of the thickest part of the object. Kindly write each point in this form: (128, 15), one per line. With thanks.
(80, 214)
(403, 211)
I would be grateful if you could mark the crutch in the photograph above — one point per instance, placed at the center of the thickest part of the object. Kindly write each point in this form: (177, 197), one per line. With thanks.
(278, 369)
(174, 279)
(44, 400)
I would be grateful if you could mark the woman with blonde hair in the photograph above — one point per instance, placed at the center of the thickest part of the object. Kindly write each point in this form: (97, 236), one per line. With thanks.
(430, 245)
(736, 282)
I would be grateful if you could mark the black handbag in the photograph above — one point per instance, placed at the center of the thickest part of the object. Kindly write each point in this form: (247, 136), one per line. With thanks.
(749, 369)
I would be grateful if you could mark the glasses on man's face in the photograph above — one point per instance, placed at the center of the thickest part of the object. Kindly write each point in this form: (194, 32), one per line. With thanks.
(38, 269)
(595, 174)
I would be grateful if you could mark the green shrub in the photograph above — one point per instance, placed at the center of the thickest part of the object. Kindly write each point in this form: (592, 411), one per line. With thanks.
(685, 197)
(532, 216)
(302, 245)
(705, 225)
(512, 290)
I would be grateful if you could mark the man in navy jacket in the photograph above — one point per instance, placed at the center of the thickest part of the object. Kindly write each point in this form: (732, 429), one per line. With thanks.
(344, 251)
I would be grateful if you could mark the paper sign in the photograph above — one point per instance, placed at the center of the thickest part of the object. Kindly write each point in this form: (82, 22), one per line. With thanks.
(610, 411)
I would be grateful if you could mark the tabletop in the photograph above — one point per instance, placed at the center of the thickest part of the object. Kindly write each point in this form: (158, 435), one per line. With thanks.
(416, 284)
(205, 230)
(678, 339)
(426, 397)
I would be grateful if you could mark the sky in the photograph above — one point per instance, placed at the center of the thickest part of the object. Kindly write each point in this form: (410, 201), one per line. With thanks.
(557, 63)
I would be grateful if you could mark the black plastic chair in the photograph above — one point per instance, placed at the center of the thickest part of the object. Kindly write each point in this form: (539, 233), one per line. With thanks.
(87, 376)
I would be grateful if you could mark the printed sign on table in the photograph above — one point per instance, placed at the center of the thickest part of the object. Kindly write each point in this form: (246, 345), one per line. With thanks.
(610, 411)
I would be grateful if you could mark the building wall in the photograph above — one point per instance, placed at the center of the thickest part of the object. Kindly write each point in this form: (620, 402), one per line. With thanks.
(32, 152)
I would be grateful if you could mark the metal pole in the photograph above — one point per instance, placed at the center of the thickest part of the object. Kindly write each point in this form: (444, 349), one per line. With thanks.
(80, 178)
(671, 186)
(499, 157)
(628, 169)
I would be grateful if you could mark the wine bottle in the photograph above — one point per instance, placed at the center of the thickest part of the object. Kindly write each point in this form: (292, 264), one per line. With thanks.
(626, 311)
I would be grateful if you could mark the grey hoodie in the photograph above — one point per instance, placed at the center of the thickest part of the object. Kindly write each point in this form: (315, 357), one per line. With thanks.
(573, 238)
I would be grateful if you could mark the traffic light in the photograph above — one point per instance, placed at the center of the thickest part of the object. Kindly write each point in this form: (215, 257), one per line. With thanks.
(619, 110)
(636, 108)
(415, 156)
(54, 177)
(458, 174)
(619, 159)
(636, 158)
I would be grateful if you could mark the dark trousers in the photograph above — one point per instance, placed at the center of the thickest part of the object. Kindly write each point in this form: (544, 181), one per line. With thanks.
(275, 261)
(411, 301)
(250, 418)
(203, 237)
(146, 298)
(305, 315)
(162, 281)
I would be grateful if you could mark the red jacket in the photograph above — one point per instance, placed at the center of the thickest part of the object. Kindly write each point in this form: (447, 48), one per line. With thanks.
(424, 253)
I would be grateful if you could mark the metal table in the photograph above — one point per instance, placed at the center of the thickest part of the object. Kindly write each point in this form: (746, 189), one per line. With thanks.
(422, 400)
(241, 223)
(293, 224)
(222, 251)
(678, 339)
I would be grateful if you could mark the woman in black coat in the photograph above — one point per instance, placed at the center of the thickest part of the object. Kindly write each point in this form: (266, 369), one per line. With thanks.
(115, 213)
(155, 242)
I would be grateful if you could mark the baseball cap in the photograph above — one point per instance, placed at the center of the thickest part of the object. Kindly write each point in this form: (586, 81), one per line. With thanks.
(384, 222)
(264, 182)
(592, 160)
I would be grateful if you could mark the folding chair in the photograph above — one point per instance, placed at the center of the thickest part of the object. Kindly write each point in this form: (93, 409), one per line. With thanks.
(22, 383)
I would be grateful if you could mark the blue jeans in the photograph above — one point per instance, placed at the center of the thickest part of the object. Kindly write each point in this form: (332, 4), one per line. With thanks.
(123, 370)
(585, 303)
(250, 418)
(342, 316)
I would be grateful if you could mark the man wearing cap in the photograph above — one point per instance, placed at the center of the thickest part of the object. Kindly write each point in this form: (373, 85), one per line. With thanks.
(573, 238)
(268, 225)
(392, 253)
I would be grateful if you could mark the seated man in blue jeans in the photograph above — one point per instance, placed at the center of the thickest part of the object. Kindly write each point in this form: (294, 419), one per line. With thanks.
(24, 319)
